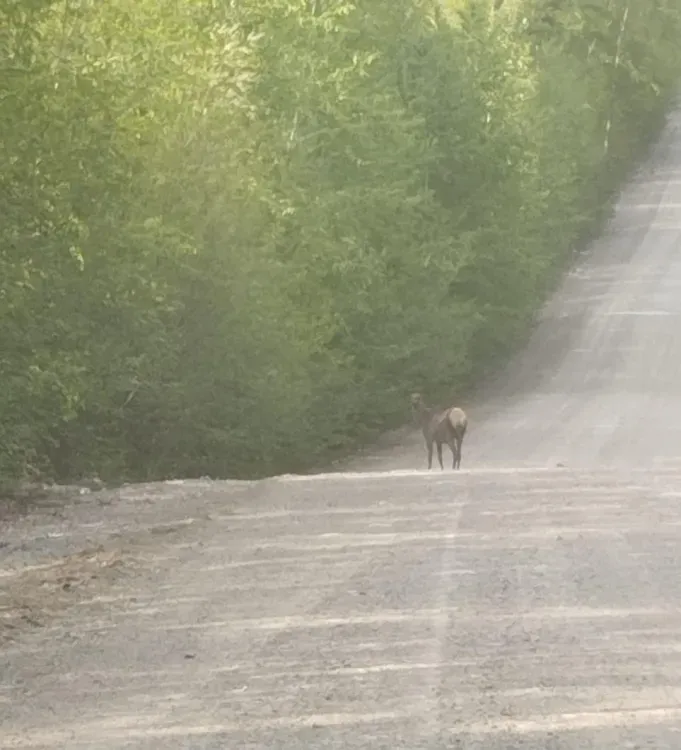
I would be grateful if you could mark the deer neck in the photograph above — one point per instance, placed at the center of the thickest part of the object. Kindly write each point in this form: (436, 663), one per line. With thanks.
(423, 415)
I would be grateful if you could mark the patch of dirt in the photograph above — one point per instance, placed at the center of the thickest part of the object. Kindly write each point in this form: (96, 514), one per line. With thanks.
(32, 596)
(18, 499)
(66, 545)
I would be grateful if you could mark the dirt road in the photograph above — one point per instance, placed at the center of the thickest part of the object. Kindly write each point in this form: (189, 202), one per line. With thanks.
(510, 605)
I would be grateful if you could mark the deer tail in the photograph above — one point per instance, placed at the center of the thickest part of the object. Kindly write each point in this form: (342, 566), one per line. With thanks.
(458, 420)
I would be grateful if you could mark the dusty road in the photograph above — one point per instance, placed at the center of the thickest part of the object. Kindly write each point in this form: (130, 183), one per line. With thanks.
(510, 605)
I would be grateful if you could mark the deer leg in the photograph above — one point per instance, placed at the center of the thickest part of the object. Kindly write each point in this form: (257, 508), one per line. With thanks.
(429, 445)
(461, 437)
(439, 454)
(452, 447)
(459, 443)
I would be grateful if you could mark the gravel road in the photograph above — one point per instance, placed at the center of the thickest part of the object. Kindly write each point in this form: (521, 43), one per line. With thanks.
(514, 604)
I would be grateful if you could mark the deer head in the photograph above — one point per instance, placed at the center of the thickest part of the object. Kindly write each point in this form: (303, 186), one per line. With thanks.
(417, 405)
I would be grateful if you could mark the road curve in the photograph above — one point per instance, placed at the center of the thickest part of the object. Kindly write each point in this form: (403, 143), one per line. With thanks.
(509, 605)
(600, 382)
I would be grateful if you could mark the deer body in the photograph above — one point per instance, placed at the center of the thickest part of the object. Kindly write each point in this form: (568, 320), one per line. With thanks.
(440, 427)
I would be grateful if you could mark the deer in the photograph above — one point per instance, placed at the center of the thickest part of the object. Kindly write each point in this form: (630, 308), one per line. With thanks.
(440, 426)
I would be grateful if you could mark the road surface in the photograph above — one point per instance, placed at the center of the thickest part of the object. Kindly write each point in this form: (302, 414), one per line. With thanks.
(513, 604)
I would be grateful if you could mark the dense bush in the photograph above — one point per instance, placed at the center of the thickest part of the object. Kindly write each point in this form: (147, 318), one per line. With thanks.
(234, 236)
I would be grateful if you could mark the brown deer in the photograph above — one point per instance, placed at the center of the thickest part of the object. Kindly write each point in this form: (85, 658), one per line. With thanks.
(440, 426)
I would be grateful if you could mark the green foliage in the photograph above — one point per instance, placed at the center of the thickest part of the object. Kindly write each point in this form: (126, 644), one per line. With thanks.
(235, 235)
